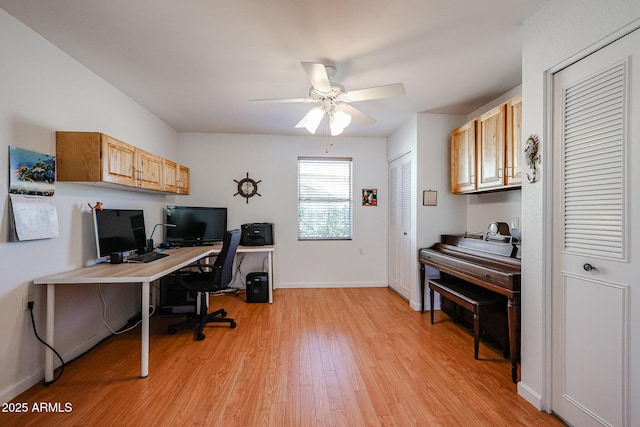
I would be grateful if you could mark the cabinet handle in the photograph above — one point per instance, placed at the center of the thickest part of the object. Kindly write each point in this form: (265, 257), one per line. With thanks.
(500, 173)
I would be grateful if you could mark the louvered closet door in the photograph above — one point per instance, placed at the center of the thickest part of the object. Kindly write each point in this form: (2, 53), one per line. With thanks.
(401, 256)
(596, 239)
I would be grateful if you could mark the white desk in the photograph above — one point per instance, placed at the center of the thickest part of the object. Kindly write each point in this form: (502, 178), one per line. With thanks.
(143, 273)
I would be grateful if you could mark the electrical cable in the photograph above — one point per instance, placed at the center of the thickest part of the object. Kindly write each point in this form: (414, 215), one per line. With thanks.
(239, 272)
(104, 315)
(61, 367)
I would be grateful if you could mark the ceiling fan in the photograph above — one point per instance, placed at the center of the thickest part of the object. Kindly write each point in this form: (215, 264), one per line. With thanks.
(334, 100)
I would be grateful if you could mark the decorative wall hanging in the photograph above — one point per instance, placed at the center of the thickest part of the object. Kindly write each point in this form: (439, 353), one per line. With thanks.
(247, 187)
(429, 198)
(32, 178)
(31, 172)
(532, 158)
(369, 197)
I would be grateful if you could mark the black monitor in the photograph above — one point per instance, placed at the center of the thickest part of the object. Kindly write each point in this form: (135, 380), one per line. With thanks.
(119, 230)
(195, 225)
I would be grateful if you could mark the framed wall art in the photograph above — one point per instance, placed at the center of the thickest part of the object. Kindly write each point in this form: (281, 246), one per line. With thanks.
(429, 198)
(369, 197)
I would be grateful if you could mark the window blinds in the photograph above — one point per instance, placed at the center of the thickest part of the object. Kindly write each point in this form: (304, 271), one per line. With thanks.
(324, 198)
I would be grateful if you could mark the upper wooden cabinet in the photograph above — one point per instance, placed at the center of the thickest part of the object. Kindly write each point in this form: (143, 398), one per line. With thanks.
(513, 166)
(99, 158)
(491, 149)
(183, 180)
(463, 158)
(170, 176)
(150, 170)
(489, 157)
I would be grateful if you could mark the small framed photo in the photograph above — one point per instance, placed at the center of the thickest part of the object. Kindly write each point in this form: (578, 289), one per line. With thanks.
(429, 198)
(369, 197)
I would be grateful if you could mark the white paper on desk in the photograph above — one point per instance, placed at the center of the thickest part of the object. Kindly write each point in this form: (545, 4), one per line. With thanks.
(34, 217)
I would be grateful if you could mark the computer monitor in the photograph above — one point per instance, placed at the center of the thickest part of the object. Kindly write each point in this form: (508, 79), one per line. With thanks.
(119, 230)
(195, 225)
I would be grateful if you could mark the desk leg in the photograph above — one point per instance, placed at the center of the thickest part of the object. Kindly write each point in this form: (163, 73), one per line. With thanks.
(48, 353)
(270, 276)
(144, 369)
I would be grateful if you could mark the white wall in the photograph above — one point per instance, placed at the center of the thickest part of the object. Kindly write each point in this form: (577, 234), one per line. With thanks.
(434, 169)
(559, 31)
(216, 160)
(433, 159)
(426, 138)
(43, 90)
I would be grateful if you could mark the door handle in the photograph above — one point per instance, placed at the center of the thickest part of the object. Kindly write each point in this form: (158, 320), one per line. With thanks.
(587, 267)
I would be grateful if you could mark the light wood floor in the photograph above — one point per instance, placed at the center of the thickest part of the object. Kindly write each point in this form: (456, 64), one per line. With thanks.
(316, 357)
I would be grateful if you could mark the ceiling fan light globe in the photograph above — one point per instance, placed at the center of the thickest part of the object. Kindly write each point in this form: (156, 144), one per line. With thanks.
(342, 119)
(311, 120)
(335, 129)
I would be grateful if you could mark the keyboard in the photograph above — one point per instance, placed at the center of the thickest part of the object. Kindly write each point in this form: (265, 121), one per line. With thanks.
(151, 256)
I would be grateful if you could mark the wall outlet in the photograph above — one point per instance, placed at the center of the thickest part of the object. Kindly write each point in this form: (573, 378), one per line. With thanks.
(27, 297)
(515, 223)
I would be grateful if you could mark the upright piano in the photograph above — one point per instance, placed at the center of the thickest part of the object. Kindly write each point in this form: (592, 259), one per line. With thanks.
(492, 265)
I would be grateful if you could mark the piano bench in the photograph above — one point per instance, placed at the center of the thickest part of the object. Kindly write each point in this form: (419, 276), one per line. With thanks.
(468, 297)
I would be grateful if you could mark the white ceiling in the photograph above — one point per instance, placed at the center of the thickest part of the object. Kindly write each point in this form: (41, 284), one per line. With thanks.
(197, 63)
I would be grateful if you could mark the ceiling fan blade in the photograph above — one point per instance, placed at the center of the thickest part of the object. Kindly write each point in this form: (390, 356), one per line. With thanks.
(318, 77)
(386, 91)
(357, 115)
(306, 100)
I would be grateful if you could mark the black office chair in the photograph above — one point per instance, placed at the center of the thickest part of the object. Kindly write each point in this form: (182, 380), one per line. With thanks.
(204, 278)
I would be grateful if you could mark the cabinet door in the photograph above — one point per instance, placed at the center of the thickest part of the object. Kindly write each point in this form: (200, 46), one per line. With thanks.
(183, 179)
(463, 158)
(150, 170)
(118, 161)
(513, 164)
(170, 176)
(491, 148)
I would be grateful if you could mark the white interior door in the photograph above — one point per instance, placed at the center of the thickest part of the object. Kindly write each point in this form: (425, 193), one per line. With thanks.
(596, 243)
(400, 254)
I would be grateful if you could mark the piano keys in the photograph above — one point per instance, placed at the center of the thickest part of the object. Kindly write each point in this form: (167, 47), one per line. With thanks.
(491, 265)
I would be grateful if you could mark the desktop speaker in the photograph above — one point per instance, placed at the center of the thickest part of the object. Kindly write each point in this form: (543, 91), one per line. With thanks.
(257, 287)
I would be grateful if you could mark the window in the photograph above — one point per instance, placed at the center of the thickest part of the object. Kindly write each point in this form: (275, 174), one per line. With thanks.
(324, 198)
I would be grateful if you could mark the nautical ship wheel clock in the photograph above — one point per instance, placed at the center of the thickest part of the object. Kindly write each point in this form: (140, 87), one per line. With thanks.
(247, 187)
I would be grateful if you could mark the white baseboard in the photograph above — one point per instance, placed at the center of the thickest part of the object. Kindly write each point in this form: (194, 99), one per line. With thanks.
(530, 395)
(319, 285)
(26, 383)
